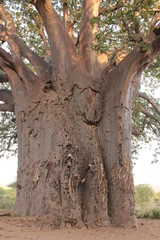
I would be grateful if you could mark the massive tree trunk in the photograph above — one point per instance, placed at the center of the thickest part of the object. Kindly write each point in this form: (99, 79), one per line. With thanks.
(74, 149)
(74, 125)
(61, 168)
(74, 153)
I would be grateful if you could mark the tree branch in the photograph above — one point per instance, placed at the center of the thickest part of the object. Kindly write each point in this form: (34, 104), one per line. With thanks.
(70, 28)
(40, 26)
(138, 131)
(38, 63)
(129, 70)
(12, 76)
(109, 8)
(6, 56)
(6, 108)
(40, 66)
(87, 36)
(10, 36)
(65, 13)
(139, 59)
(6, 96)
(151, 101)
(148, 114)
(130, 30)
(64, 56)
(3, 78)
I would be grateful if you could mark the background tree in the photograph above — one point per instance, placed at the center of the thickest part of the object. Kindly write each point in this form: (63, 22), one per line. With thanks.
(73, 103)
(143, 193)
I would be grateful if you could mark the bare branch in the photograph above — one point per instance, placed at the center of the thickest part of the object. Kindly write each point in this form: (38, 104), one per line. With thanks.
(87, 36)
(109, 8)
(148, 114)
(11, 75)
(6, 96)
(6, 108)
(65, 13)
(64, 55)
(43, 35)
(130, 30)
(151, 101)
(41, 31)
(71, 26)
(6, 56)
(3, 78)
(40, 66)
(68, 27)
(5, 16)
(151, 23)
(138, 131)
(10, 36)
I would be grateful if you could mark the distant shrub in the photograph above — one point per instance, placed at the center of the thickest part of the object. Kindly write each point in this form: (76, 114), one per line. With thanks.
(156, 213)
(13, 185)
(143, 194)
(152, 213)
(148, 214)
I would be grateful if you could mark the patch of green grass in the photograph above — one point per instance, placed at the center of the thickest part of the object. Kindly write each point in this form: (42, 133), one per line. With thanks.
(7, 198)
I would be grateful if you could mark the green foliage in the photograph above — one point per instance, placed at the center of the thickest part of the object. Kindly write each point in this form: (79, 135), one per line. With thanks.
(148, 214)
(8, 134)
(27, 24)
(152, 213)
(147, 128)
(13, 185)
(124, 25)
(143, 194)
(7, 198)
(157, 198)
(156, 213)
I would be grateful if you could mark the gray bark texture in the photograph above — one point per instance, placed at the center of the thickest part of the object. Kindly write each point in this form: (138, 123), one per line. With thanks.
(74, 125)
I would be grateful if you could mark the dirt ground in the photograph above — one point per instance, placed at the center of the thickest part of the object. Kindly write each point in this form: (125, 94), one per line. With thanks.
(21, 229)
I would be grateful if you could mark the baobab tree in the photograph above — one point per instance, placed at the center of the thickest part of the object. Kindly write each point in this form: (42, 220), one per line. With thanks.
(73, 111)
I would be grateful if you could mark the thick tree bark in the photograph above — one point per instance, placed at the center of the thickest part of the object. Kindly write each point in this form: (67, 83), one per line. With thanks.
(74, 149)
(61, 172)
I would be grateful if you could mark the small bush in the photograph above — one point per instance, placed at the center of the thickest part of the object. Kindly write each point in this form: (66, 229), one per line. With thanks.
(148, 214)
(152, 213)
(156, 213)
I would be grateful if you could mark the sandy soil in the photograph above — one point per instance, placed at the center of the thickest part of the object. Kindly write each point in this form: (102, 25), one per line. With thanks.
(21, 229)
